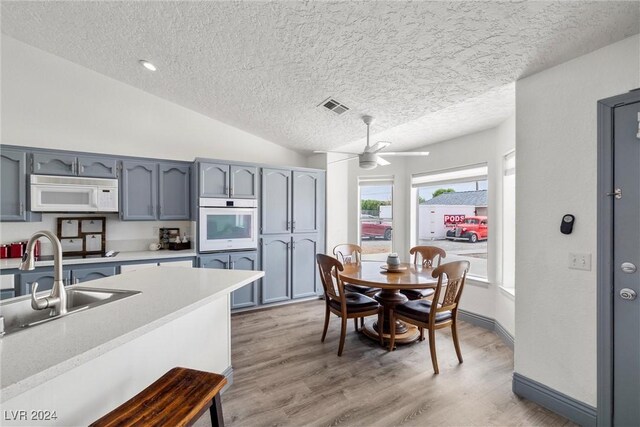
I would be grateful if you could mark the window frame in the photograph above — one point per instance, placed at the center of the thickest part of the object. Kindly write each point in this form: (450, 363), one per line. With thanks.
(371, 181)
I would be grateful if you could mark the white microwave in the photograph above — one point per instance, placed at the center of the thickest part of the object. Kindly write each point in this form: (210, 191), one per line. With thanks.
(228, 224)
(73, 194)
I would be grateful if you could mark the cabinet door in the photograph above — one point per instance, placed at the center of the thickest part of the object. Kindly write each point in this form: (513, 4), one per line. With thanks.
(214, 180)
(275, 263)
(276, 195)
(243, 184)
(13, 187)
(303, 266)
(305, 199)
(247, 296)
(220, 261)
(44, 279)
(185, 263)
(54, 164)
(139, 191)
(127, 268)
(97, 167)
(88, 274)
(174, 192)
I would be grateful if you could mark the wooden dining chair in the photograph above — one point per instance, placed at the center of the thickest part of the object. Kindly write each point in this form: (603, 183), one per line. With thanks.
(346, 305)
(428, 257)
(349, 252)
(439, 313)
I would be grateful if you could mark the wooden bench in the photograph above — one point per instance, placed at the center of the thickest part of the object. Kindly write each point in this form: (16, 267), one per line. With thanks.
(178, 398)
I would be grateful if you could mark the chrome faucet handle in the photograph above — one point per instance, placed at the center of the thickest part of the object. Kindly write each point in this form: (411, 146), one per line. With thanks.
(37, 304)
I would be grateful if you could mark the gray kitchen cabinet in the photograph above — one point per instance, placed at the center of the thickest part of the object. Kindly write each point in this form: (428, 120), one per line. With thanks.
(174, 194)
(13, 188)
(54, 164)
(246, 296)
(243, 182)
(276, 199)
(44, 279)
(7, 293)
(97, 167)
(303, 266)
(91, 273)
(304, 202)
(223, 180)
(276, 259)
(138, 191)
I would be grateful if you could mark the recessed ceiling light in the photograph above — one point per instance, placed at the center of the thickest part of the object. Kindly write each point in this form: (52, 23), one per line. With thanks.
(148, 65)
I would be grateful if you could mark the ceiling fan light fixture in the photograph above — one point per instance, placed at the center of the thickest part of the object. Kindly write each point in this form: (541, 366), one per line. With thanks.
(368, 161)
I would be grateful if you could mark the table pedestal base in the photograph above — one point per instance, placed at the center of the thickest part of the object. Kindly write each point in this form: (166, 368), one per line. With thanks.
(411, 335)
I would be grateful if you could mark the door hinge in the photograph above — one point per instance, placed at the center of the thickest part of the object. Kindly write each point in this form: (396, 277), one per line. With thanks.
(32, 164)
(617, 193)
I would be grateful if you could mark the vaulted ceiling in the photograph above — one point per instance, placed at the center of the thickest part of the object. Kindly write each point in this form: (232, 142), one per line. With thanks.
(425, 70)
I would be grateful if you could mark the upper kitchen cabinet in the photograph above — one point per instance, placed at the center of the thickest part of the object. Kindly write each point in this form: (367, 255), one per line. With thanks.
(290, 201)
(304, 202)
(13, 188)
(222, 180)
(138, 191)
(97, 167)
(54, 164)
(174, 194)
(48, 163)
(276, 196)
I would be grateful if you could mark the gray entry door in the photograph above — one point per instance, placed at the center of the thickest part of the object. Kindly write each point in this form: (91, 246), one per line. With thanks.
(626, 282)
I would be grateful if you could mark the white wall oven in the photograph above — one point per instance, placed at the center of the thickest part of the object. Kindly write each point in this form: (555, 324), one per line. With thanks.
(228, 224)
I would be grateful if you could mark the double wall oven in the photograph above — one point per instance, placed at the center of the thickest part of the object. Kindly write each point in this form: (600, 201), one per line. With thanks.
(228, 224)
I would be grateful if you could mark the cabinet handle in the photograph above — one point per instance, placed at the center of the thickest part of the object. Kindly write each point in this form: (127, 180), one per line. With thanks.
(76, 281)
(232, 265)
(288, 225)
(73, 168)
(21, 208)
(293, 225)
(230, 191)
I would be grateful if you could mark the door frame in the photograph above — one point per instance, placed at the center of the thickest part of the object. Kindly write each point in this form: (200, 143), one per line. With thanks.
(604, 253)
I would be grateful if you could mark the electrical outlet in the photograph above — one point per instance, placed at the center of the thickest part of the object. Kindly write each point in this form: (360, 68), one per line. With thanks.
(580, 261)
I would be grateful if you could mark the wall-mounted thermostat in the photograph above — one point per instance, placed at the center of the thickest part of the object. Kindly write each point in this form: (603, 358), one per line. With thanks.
(567, 224)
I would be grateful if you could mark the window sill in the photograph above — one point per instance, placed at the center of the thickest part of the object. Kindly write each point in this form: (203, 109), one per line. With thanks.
(478, 281)
(509, 292)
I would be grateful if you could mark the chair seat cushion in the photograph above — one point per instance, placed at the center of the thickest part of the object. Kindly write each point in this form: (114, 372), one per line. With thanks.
(419, 310)
(355, 303)
(414, 294)
(365, 290)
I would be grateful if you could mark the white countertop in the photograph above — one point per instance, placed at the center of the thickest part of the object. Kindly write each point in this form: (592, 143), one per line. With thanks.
(12, 263)
(31, 357)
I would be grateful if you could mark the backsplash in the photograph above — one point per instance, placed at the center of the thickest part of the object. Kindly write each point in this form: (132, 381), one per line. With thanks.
(123, 236)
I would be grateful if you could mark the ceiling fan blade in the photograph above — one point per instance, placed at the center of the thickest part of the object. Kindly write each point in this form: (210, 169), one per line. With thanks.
(380, 145)
(382, 162)
(342, 160)
(404, 153)
(334, 152)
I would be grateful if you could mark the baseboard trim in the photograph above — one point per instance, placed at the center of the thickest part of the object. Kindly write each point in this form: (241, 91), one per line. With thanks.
(575, 410)
(488, 323)
(228, 374)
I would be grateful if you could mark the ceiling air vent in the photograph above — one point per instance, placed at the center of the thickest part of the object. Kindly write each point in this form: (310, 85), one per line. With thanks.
(334, 106)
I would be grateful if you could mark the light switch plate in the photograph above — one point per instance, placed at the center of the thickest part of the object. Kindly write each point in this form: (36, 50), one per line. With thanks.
(580, 261)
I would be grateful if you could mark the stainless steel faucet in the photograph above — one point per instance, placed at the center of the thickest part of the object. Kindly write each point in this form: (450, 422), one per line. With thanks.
(57, 299)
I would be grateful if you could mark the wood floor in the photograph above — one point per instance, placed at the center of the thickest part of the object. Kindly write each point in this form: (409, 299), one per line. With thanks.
(284, 375)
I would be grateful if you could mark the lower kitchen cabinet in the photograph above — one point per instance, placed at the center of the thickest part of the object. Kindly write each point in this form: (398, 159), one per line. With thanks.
(88, 274)
(276, 283)
(247, 296)
(303, 266)
(44, 279)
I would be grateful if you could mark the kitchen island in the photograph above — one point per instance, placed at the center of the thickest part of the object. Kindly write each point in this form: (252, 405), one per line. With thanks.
(83, 365)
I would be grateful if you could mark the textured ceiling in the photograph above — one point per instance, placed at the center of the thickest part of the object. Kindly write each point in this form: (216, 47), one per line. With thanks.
(425, 70)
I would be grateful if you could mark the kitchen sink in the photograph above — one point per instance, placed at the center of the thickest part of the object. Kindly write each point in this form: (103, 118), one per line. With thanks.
(17, 315)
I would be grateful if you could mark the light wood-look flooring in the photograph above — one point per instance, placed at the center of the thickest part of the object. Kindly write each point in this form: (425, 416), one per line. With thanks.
(284, 375)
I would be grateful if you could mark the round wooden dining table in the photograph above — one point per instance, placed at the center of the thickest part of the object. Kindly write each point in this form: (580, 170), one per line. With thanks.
(370, 273)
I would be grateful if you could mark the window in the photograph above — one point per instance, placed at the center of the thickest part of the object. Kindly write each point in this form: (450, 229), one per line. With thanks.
(509, 220)
(452, 214)
(376, 217)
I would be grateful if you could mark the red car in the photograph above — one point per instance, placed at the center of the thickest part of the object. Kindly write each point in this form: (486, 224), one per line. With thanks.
(373, 229)
(473, 228)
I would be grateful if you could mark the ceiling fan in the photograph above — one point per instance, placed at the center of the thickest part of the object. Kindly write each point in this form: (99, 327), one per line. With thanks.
(372, 156)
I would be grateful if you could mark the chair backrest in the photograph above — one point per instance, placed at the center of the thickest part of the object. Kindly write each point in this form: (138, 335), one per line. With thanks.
(329, 268)
(348, 250)
(428, 255)
(448, 294)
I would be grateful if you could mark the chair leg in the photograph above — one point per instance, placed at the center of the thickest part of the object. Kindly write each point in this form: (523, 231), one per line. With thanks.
(421, 333)
(361, 322)
(456, 343)
(355, 323)
(343, 332)
(392, 330)
(217, 420)
(432, 350)
(326, 323)
(380, 325)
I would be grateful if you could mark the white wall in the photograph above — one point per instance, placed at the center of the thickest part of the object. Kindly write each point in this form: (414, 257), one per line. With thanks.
(50, 102)
(556, 174)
